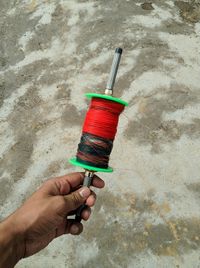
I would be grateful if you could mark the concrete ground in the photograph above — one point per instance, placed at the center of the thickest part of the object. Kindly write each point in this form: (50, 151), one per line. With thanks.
(52, 52)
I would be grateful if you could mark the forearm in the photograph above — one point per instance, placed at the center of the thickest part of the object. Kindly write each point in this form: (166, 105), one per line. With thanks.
(11, 243)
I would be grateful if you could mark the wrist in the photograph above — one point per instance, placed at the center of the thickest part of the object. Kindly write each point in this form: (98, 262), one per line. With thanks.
(12, 246)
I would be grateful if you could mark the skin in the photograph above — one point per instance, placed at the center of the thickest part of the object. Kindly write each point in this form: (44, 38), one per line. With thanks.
(43, 217)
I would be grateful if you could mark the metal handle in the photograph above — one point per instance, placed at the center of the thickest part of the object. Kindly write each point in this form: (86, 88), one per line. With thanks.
(113, 71)
(86, 182)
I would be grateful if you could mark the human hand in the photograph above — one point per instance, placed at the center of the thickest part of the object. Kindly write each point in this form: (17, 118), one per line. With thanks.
(43, 216)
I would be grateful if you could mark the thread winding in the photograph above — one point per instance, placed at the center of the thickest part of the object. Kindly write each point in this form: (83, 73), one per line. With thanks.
(99, 130)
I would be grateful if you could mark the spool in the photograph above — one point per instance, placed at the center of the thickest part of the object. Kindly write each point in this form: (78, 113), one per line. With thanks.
(75, 161)
(90, 166)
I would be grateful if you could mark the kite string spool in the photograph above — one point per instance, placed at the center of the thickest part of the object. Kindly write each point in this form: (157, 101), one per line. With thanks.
(99, 130)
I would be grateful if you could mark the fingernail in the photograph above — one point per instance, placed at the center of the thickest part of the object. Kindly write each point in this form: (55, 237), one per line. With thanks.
(84, 192)
(74, 229)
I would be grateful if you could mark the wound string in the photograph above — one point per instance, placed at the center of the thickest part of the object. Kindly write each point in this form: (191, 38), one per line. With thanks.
(99, 130)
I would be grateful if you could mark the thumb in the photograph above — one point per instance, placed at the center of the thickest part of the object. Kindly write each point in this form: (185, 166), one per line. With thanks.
(77, 198)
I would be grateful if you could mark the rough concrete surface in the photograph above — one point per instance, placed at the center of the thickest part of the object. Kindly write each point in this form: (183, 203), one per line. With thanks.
(52, 52)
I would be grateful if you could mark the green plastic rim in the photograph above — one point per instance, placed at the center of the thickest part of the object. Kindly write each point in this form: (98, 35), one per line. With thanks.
(102, 96)
(75, 162)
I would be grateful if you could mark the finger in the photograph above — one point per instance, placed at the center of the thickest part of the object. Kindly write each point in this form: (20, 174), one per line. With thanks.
(67, 183)
(73, 227)
(69, 227)
(76, 199)
(97, 182)
(86, 214)
(64, 184)
(91, 199)
(76, 179)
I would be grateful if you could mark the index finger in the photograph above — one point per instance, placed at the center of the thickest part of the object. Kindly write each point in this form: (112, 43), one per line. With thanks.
(73, 180)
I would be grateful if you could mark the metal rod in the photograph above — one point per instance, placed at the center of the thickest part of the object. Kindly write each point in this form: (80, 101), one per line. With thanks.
(88, 178)
(109, 91)
(86, 182)
(113, 71)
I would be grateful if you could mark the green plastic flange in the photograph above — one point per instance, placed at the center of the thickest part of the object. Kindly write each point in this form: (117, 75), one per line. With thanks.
(75, 162)
(102, 96)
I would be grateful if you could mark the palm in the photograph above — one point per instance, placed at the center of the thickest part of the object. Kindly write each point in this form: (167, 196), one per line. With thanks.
(35, 245)
(40, 237)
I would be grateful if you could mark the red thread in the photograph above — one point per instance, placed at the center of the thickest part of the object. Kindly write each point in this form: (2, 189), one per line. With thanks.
(102, 118)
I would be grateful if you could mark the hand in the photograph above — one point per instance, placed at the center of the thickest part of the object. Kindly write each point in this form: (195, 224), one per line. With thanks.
(43, 216)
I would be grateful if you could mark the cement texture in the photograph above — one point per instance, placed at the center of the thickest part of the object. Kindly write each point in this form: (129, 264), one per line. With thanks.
(51, 53)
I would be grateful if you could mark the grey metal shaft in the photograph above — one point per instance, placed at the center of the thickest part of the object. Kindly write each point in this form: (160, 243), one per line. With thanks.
(87, 182)
(88, 178)
(113, 71)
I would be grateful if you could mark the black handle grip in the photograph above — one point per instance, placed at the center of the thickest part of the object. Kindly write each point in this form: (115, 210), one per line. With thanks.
(78, 213)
